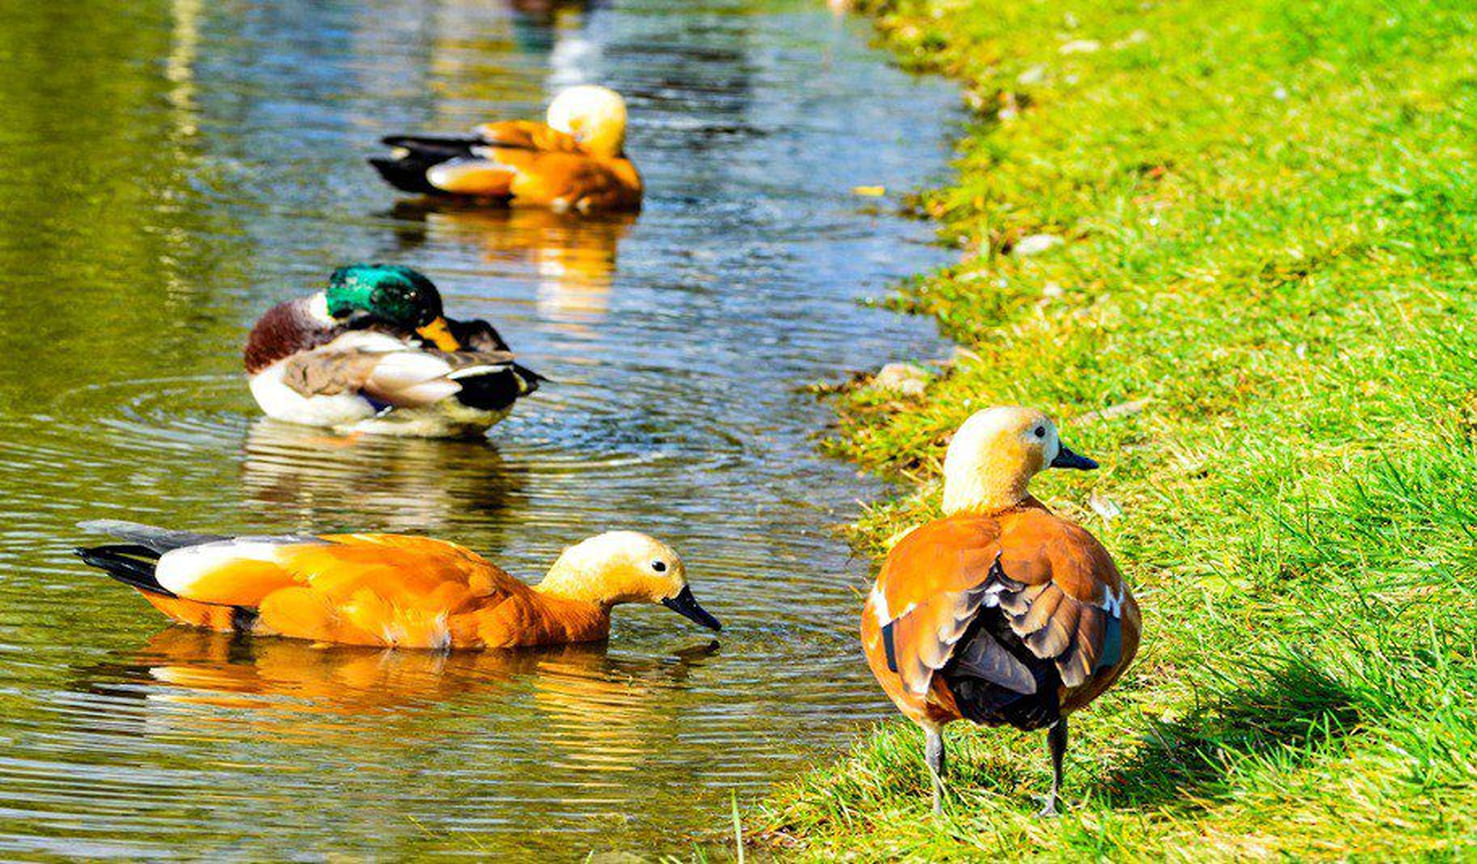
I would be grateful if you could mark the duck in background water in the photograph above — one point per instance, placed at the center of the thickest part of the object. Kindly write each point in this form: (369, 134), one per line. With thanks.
(374, 353)
(390, 590)
(574, 162)
(1000, 613)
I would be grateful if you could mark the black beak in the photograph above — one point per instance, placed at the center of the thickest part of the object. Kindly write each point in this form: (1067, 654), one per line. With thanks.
(685, 605)
(1067, 459)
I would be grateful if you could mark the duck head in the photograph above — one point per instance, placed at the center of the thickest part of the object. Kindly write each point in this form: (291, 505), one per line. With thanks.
(625, 567)
(594, 115)
(995, 454)
(392, 294)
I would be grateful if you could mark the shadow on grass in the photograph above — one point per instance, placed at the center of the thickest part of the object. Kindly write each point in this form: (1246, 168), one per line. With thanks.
(1290, 712)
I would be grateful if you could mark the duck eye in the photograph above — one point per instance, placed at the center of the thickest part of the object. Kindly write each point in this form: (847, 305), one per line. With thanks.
(659, 566)
(1040, 431)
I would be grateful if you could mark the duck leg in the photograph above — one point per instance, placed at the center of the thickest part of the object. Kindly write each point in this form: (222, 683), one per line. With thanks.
(933, 752)
(1056, 741)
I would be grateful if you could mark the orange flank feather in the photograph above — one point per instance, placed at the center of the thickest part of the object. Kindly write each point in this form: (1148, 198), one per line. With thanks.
(388, 590)
(208, 615)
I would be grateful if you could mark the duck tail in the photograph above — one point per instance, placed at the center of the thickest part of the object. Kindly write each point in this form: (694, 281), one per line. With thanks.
(433, 146)
(129, 563)
(407, 174)
(157, 540)
(528, 380)
(497, 388)
(135, 565)
(413, 155)
(133, 561)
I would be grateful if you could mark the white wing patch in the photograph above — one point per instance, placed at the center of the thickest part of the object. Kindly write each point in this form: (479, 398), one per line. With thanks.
(879, 606)
(181, 569)
(449, 174)
(479, 370)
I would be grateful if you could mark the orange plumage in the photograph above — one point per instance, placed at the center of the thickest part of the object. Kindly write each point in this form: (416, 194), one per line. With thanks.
(1001, 613)
(390, 590)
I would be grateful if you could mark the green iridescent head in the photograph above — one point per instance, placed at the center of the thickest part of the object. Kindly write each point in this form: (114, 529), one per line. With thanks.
(393, 294)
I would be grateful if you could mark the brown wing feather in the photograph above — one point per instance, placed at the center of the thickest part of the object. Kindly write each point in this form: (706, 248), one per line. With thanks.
(948, 555)
(414, 376)
(1038, 613)
(925, 597)
(528, 135)
(1080, 608)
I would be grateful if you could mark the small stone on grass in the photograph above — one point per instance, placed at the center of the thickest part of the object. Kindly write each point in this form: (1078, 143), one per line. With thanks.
(1035, 244)
(1081, 46)
(900, 379)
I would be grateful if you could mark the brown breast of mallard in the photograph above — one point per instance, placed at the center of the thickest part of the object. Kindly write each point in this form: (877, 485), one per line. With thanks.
(286, 329)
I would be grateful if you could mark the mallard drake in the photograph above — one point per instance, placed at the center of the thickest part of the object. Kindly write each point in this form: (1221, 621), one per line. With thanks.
(1000, 613)
(374, 353)
(389, 590)
(575, 161)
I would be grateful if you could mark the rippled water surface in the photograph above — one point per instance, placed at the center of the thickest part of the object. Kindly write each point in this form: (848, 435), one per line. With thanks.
(173, 168)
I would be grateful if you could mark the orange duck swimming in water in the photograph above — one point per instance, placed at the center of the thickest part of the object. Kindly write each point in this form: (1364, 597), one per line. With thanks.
(1000, 613)
(576, 161)
(390, 590)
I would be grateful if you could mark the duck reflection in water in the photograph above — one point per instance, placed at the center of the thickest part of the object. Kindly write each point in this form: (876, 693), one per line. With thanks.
(553, 27)
(399, 484)
(571, 258)
(601, 708)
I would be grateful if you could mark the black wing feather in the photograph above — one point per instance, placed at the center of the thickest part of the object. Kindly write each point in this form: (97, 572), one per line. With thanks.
(129, 563)
(995, 678)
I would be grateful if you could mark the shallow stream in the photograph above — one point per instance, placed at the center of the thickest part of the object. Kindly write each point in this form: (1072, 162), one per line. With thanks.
(172, 169)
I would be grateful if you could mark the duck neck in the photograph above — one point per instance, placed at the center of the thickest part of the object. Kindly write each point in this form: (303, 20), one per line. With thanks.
(607, 141)
(983, 486)
(568, 581)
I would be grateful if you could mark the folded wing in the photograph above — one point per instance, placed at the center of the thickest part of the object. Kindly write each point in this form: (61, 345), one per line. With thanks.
(927, 593)
(1064, 598)
(527, 135)
(389, 369)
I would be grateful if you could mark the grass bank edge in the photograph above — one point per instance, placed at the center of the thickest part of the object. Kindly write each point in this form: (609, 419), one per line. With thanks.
(1261, 231)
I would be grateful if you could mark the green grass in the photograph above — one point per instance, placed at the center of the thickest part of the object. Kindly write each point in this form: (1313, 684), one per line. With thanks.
(1270, 216)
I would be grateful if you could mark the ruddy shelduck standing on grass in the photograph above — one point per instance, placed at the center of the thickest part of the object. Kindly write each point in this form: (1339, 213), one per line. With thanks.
(574, 162)
(390, 590)
(1000, 613)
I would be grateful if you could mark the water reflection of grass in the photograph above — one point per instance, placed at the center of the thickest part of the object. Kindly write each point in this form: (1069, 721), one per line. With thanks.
(1268, 234)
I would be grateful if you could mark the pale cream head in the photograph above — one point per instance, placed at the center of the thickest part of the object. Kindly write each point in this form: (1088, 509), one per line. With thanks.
(995, 454)
(594, 115)
(624, 567)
